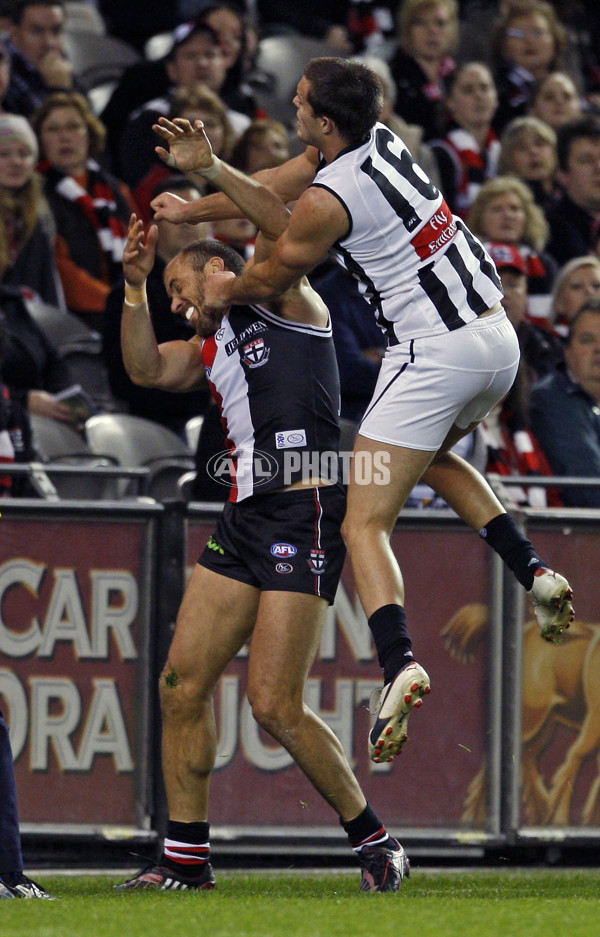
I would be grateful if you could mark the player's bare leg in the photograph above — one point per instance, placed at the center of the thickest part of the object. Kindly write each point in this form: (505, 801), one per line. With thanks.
(371, 514)
(215, 619)
(469, 494)
(285, 640)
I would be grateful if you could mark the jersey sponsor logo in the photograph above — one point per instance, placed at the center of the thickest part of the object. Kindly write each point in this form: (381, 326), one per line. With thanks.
(284, 568)
(256, 353)
(317, 562)
(290, 438)
(253, 329)
(283, 550)
(439, 231)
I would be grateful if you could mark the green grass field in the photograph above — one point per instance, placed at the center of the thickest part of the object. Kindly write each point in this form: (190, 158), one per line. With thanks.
(486, 903)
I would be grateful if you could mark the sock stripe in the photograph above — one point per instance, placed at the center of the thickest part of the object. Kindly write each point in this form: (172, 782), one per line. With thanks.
(379, 837)
(186, 853)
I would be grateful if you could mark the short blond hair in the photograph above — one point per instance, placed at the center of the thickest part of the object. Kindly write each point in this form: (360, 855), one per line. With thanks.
(412, 9)
(515, 132)
(571, 266)
(536, 227)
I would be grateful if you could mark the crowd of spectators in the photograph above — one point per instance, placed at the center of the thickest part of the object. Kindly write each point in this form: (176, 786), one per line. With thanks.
(498, 101)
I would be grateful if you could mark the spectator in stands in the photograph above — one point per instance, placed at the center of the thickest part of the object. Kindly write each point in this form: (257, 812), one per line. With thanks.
(529, 152)
(505, 212)
(15, 446)
(422, 63)
(39, 61)
(31, 366)
(26, 226)
(172, 410)
(263, 144)
(541, 347)
(91, 207)
(194, 103)
(576, 284)
(565, 408)
(228, 20)
(411, 134)
(513, 449)
(197, 60)
(137, 21)
(528, 43)
(468, 154)
(556, 100)
(195, 56)
(575, 219)
(359, 342)
(347, 27)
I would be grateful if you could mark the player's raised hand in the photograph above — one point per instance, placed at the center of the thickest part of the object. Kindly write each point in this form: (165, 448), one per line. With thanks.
(139, 253)
(189, 149)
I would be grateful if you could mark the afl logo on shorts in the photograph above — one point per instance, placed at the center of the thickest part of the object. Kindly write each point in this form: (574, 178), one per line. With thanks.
(256, 353)
(317, 562)
(284, 568)
(283, 550)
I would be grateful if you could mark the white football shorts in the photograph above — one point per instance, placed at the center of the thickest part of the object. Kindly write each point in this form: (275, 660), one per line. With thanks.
(427, 385)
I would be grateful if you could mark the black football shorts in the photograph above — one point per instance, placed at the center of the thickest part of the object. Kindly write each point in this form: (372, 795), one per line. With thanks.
(286, 541)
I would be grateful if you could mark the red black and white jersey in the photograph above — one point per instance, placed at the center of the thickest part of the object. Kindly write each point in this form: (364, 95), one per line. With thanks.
(276, 383)
(420, 267)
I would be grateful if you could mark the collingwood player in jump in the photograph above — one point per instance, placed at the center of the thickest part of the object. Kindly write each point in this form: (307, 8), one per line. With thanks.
(272, 370)
(452, 353)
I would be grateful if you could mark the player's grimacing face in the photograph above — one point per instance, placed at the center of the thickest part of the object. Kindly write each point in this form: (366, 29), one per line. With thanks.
(186, 290)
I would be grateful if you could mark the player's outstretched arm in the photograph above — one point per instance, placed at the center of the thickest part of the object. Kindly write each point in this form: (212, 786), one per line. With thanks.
(288, 181)
(316, 223)
(189, 150)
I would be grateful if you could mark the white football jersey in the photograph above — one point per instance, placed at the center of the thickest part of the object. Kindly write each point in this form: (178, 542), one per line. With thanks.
(419, 266)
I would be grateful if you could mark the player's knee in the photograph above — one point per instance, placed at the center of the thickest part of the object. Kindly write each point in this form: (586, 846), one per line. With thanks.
(273, 714)
(179, 693)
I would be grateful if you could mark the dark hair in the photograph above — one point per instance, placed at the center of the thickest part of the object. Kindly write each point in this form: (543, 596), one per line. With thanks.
(585, 128)
(592, 305)
(200, 252)
(235, 73)
(187, 31)
(255, 133)
(16, 10)
(173, 184)
(349, 93)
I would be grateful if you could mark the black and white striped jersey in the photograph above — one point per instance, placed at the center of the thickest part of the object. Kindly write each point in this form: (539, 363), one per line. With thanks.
(421, 268)
(277, 385)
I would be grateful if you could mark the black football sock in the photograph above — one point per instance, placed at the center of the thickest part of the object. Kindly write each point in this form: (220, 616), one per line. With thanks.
(503, 535)
(390, 633)
(186, 848)
(366, 830)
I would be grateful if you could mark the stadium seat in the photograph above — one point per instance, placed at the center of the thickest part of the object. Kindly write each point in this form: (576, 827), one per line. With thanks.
(284, 58)
(134, 441)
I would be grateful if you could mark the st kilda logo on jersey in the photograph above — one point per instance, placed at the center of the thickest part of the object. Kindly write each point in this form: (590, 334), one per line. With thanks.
(255, 353)
(317, 562)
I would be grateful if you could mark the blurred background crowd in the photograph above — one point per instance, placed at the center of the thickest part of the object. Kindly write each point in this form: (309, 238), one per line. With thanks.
(498, 101)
